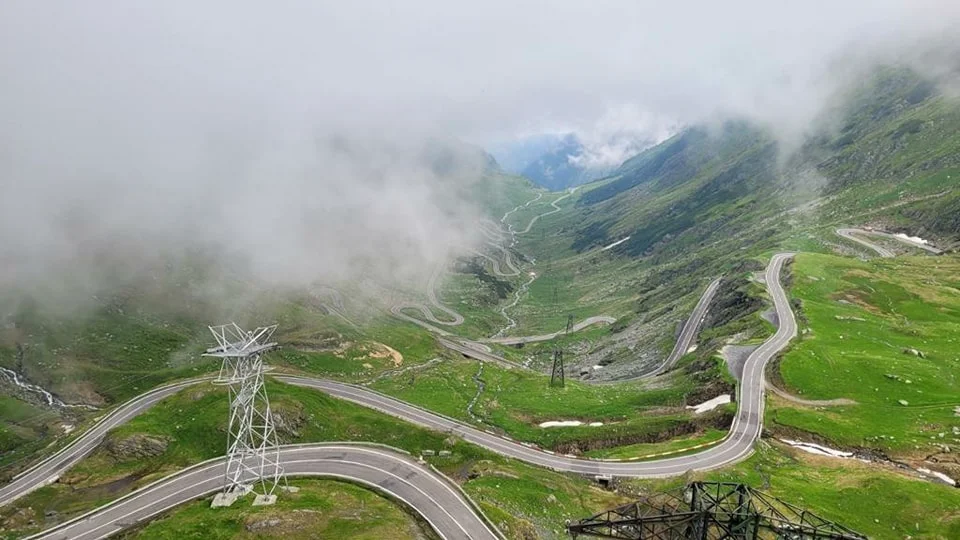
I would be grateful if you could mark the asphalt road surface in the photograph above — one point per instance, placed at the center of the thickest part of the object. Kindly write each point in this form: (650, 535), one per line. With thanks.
(690, 328)
(551, 212)
(849, 235)
(389, 470)
(399, 476)
(49, 469)
(882, 251)
(589, 321)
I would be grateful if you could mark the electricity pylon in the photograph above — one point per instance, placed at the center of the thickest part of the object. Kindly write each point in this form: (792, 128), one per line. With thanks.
(556, 375)
(253, 453)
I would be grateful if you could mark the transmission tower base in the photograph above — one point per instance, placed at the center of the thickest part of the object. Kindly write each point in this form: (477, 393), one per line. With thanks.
(227, 498)
(264, 500)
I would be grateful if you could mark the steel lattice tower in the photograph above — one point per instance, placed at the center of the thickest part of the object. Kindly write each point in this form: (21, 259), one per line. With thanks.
(711, 511)
(557, 375)
(253, 453)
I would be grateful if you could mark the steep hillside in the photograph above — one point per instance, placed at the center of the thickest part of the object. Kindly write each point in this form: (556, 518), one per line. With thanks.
(898, 136)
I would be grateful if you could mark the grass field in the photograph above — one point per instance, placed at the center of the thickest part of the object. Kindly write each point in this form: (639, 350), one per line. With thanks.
(675, 447)
(860, 325)
(320, 509)
(516, 401)
(359, 357)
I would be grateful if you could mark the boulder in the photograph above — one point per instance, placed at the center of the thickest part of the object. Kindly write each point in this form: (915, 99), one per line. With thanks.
(136, 446)
(914, 352)
(262, 524)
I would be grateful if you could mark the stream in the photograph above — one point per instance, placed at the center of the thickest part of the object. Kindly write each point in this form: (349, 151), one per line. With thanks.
(478, 378)
(49, 398)
(516, 299)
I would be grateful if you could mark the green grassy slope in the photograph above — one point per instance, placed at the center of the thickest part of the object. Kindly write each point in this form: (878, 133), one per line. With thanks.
(516, 402)
(863, 326)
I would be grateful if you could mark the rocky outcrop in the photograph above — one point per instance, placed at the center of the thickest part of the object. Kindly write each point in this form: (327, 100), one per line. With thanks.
(289, 417)
(136, 446)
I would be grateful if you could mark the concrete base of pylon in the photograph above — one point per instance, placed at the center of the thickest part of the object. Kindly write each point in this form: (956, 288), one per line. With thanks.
(227, 498)
(264, 500)
(221, 500)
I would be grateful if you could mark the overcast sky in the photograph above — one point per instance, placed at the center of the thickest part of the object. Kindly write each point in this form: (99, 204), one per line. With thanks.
(479, 70)
(132, 111)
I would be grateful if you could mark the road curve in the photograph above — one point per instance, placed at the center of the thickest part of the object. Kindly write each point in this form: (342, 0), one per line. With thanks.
(399, 476)
(556, 209)
(589, 321)
(738, 444)
(849, 235)
(495, 239)
(883, 252)
(524, 205)
(50, 468)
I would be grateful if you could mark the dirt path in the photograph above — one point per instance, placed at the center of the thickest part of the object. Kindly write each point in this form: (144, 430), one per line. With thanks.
(809, 402)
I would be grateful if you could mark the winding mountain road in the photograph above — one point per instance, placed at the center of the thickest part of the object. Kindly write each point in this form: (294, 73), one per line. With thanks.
(537, 217)
(50, 469)
(589, 321)
(689, 331)
(495, 238)
(388, 471)
(850, 233)
(427, 493)
(746, 427)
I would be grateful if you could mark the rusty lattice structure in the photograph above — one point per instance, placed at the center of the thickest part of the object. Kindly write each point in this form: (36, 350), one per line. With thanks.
(711, 511)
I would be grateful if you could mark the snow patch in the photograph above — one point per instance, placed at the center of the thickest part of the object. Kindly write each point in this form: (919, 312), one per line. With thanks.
(568, 423)
(561, 423)
(817, 449)
(938, 475)
(615, 244)
(914, 239)
(710, 404)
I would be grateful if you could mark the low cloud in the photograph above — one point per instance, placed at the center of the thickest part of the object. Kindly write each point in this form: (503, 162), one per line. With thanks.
(292, 136)
(620, 133)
